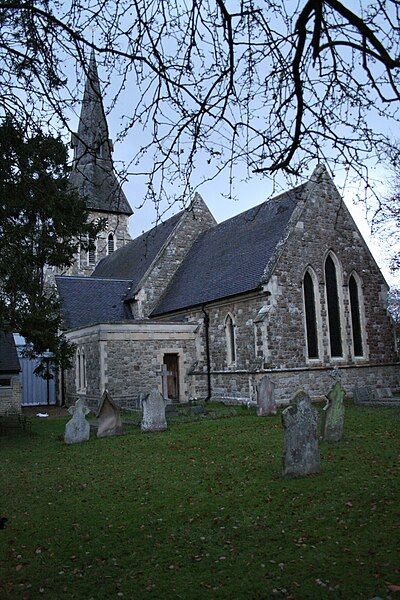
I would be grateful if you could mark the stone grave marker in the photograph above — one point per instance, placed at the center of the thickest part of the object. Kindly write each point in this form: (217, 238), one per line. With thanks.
(332, 429)
(266, 404)
(300, 429)
(77, 430)
(109, 417)
(363, 394)
(153, 417)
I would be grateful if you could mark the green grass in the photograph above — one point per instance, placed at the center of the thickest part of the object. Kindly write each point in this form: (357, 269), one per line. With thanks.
(201, 511)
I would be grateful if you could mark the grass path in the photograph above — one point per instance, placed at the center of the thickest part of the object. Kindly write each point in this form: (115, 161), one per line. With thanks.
(201, 511)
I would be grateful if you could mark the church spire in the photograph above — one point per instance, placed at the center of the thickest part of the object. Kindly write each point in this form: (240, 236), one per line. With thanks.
(92, 142)
(93, 174)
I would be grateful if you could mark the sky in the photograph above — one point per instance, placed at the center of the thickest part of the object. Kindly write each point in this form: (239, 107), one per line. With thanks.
(249, 189)
(249, 193)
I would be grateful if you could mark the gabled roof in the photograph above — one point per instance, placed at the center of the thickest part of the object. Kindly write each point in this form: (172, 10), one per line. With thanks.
(88, 300)
(132, 260)
(230, 259)
(9, 362)
(93, 174)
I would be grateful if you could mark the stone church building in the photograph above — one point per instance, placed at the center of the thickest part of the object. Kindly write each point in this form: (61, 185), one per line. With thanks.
(288, 288)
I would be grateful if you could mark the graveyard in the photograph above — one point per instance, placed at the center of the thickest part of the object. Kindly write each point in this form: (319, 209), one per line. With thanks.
(201, 509)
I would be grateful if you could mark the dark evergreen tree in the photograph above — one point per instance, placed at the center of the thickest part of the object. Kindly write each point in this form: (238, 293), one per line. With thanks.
(42, 221)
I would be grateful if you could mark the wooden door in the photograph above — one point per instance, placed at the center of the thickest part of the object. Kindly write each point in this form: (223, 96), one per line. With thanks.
(171, 361)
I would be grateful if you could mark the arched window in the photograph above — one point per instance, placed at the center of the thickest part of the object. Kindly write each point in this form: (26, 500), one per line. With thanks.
(92, 251)
(110, 243)
(230, 339)
(311, 317)
(355, 316)
(332, 298)
(78, 369)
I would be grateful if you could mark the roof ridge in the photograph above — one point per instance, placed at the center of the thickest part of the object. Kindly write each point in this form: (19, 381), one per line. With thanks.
(295, 189)
(90, 278)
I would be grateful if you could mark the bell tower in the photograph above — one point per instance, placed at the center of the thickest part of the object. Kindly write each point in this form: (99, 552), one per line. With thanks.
(94, 177)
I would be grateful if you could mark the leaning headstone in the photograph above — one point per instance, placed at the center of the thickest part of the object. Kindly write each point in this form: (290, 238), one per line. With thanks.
(109, 417)
(300, 428)
(153, 406)
(332, 430)
(77, 430)
(266, 404)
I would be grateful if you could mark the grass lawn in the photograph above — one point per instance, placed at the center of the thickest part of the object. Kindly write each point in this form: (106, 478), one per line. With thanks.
(201, 511)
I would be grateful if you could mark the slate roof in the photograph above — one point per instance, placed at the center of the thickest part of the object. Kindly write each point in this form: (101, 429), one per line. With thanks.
(88, 300)
(230, 258)
(97, 181)
(9, 362)
(132, 260)
(93, 174)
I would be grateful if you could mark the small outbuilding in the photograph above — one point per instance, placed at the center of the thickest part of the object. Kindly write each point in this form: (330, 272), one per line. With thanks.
(10, 379)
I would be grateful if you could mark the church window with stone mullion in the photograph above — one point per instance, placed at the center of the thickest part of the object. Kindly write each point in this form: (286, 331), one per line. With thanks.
(311, 319)
(355, 317)
(332, 298)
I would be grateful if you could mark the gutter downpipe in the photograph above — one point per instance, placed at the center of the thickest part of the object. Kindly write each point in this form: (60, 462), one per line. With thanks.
(206, 322)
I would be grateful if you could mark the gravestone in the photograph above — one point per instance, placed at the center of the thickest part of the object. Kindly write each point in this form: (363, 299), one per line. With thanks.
(266, 404)
(363, 394)
(300, 428)
(153, 417)
(109, 417)
(332, 429)
(77, 430)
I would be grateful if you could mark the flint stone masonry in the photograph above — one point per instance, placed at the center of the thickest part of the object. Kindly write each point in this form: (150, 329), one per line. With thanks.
(334, 414)
(77, 430)
(126, 359)
(239, 387)
(266, 405)
(269, 322)
(193, 222)
(153, 418)
(300, 431)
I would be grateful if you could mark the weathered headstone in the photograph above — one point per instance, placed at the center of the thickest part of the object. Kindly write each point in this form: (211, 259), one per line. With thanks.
(266, 404)
(109, 417)
(363, 394)
(77, 430)
(153, 417)
(332, 430)
(300, 428)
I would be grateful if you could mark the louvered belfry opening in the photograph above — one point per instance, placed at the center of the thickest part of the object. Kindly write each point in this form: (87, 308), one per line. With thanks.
(311, 319)
(333, 308)
(355, 317)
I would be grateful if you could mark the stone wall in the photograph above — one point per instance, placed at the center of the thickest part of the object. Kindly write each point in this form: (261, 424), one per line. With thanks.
(116, 224)
(126, 360)
(239, 387)
(326, 225)
(269, 325)
(10, 397)
(195, 220)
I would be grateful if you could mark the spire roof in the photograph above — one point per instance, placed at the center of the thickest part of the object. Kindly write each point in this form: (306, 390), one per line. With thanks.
(93, 174)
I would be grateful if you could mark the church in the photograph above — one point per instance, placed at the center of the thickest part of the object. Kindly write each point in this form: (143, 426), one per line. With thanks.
(202, 310)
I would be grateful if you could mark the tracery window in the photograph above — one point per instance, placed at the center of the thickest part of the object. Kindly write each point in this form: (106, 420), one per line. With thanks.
(311, 317)
(230, 339)
(332, 298)
(354, 294)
